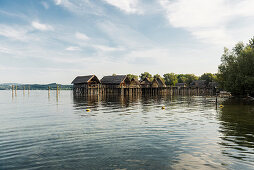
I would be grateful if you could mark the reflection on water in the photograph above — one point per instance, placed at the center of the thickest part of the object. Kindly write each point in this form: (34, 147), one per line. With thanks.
(237, 127)
(49, 130)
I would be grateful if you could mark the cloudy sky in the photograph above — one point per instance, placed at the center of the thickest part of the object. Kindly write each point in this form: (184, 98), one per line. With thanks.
(44, 41)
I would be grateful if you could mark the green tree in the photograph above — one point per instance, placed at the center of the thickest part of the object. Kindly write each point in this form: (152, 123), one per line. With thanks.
(208, 77)
(186, 78)
(181, 78)
(236, 72)
(131, 76)
(144, 75)
(170, 79)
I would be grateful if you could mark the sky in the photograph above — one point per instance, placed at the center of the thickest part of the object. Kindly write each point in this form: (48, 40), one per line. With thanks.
(46, 41)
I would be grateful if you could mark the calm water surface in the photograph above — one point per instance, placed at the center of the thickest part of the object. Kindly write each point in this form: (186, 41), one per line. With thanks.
(41, 131)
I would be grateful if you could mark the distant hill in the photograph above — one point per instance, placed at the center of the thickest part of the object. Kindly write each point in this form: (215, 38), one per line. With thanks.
(53, 86)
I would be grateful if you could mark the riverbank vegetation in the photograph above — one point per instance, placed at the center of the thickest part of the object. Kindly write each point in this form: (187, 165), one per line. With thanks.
(236, 72)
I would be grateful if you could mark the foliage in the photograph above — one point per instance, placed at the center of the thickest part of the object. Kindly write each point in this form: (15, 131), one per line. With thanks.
(170, 79)
(114, 74)
(186, 78)
(144, 75)
(131, 76)
(208, 77)
(236, 72)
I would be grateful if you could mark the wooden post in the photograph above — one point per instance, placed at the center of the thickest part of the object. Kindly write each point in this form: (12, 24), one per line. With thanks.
(12, 90)
(16, 90)
(57, 90)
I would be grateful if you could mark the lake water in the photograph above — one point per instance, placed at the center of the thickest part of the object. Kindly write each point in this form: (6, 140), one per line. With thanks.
(41, 131)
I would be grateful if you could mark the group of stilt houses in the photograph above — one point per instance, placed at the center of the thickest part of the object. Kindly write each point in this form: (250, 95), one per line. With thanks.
(122, 84)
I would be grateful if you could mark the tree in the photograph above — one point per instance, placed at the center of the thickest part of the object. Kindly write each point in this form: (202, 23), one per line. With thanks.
(186, 78)
(170, 79)
(236, 72)
(114, 74)
(208, 77)
(181, 78)
(144, 75)
(131, 76)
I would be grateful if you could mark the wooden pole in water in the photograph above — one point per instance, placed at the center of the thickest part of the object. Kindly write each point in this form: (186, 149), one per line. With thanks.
(16, 90)
(24, 89)
(12, 90)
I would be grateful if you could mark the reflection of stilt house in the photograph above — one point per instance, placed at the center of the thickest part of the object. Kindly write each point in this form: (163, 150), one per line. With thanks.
(86, 84)
(146, 83)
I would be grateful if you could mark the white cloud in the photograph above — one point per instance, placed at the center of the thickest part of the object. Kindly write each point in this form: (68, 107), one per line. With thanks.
(73, 48)
(45, 4)
(107, 48)
(42, 27)
(4, 50)
(210, 20)
(80, 7)
(13, 32)
(128, 6)
(126, 36)
(81, 36)
(58, 2)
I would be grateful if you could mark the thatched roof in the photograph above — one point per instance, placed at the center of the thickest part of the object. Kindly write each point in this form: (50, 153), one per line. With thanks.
(160, 82)
(82, 79)
(145, 81)
(117, 79)
(135, 80)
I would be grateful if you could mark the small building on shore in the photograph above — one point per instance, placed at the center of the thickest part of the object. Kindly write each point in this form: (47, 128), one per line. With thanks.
(181, 85)
(146, 83)
(115, 81)
(198, 84)
(81, 83)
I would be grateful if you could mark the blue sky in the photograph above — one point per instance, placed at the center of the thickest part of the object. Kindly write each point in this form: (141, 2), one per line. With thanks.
(44, 41)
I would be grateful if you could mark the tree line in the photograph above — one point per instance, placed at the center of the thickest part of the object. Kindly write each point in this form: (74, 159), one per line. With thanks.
(171, 79)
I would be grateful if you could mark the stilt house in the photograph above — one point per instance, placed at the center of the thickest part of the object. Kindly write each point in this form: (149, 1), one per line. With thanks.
(80, 83)
(181, 85)
(198, 84)
(134, 83)
(158, 82)
(116, 81)
(146, 83)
